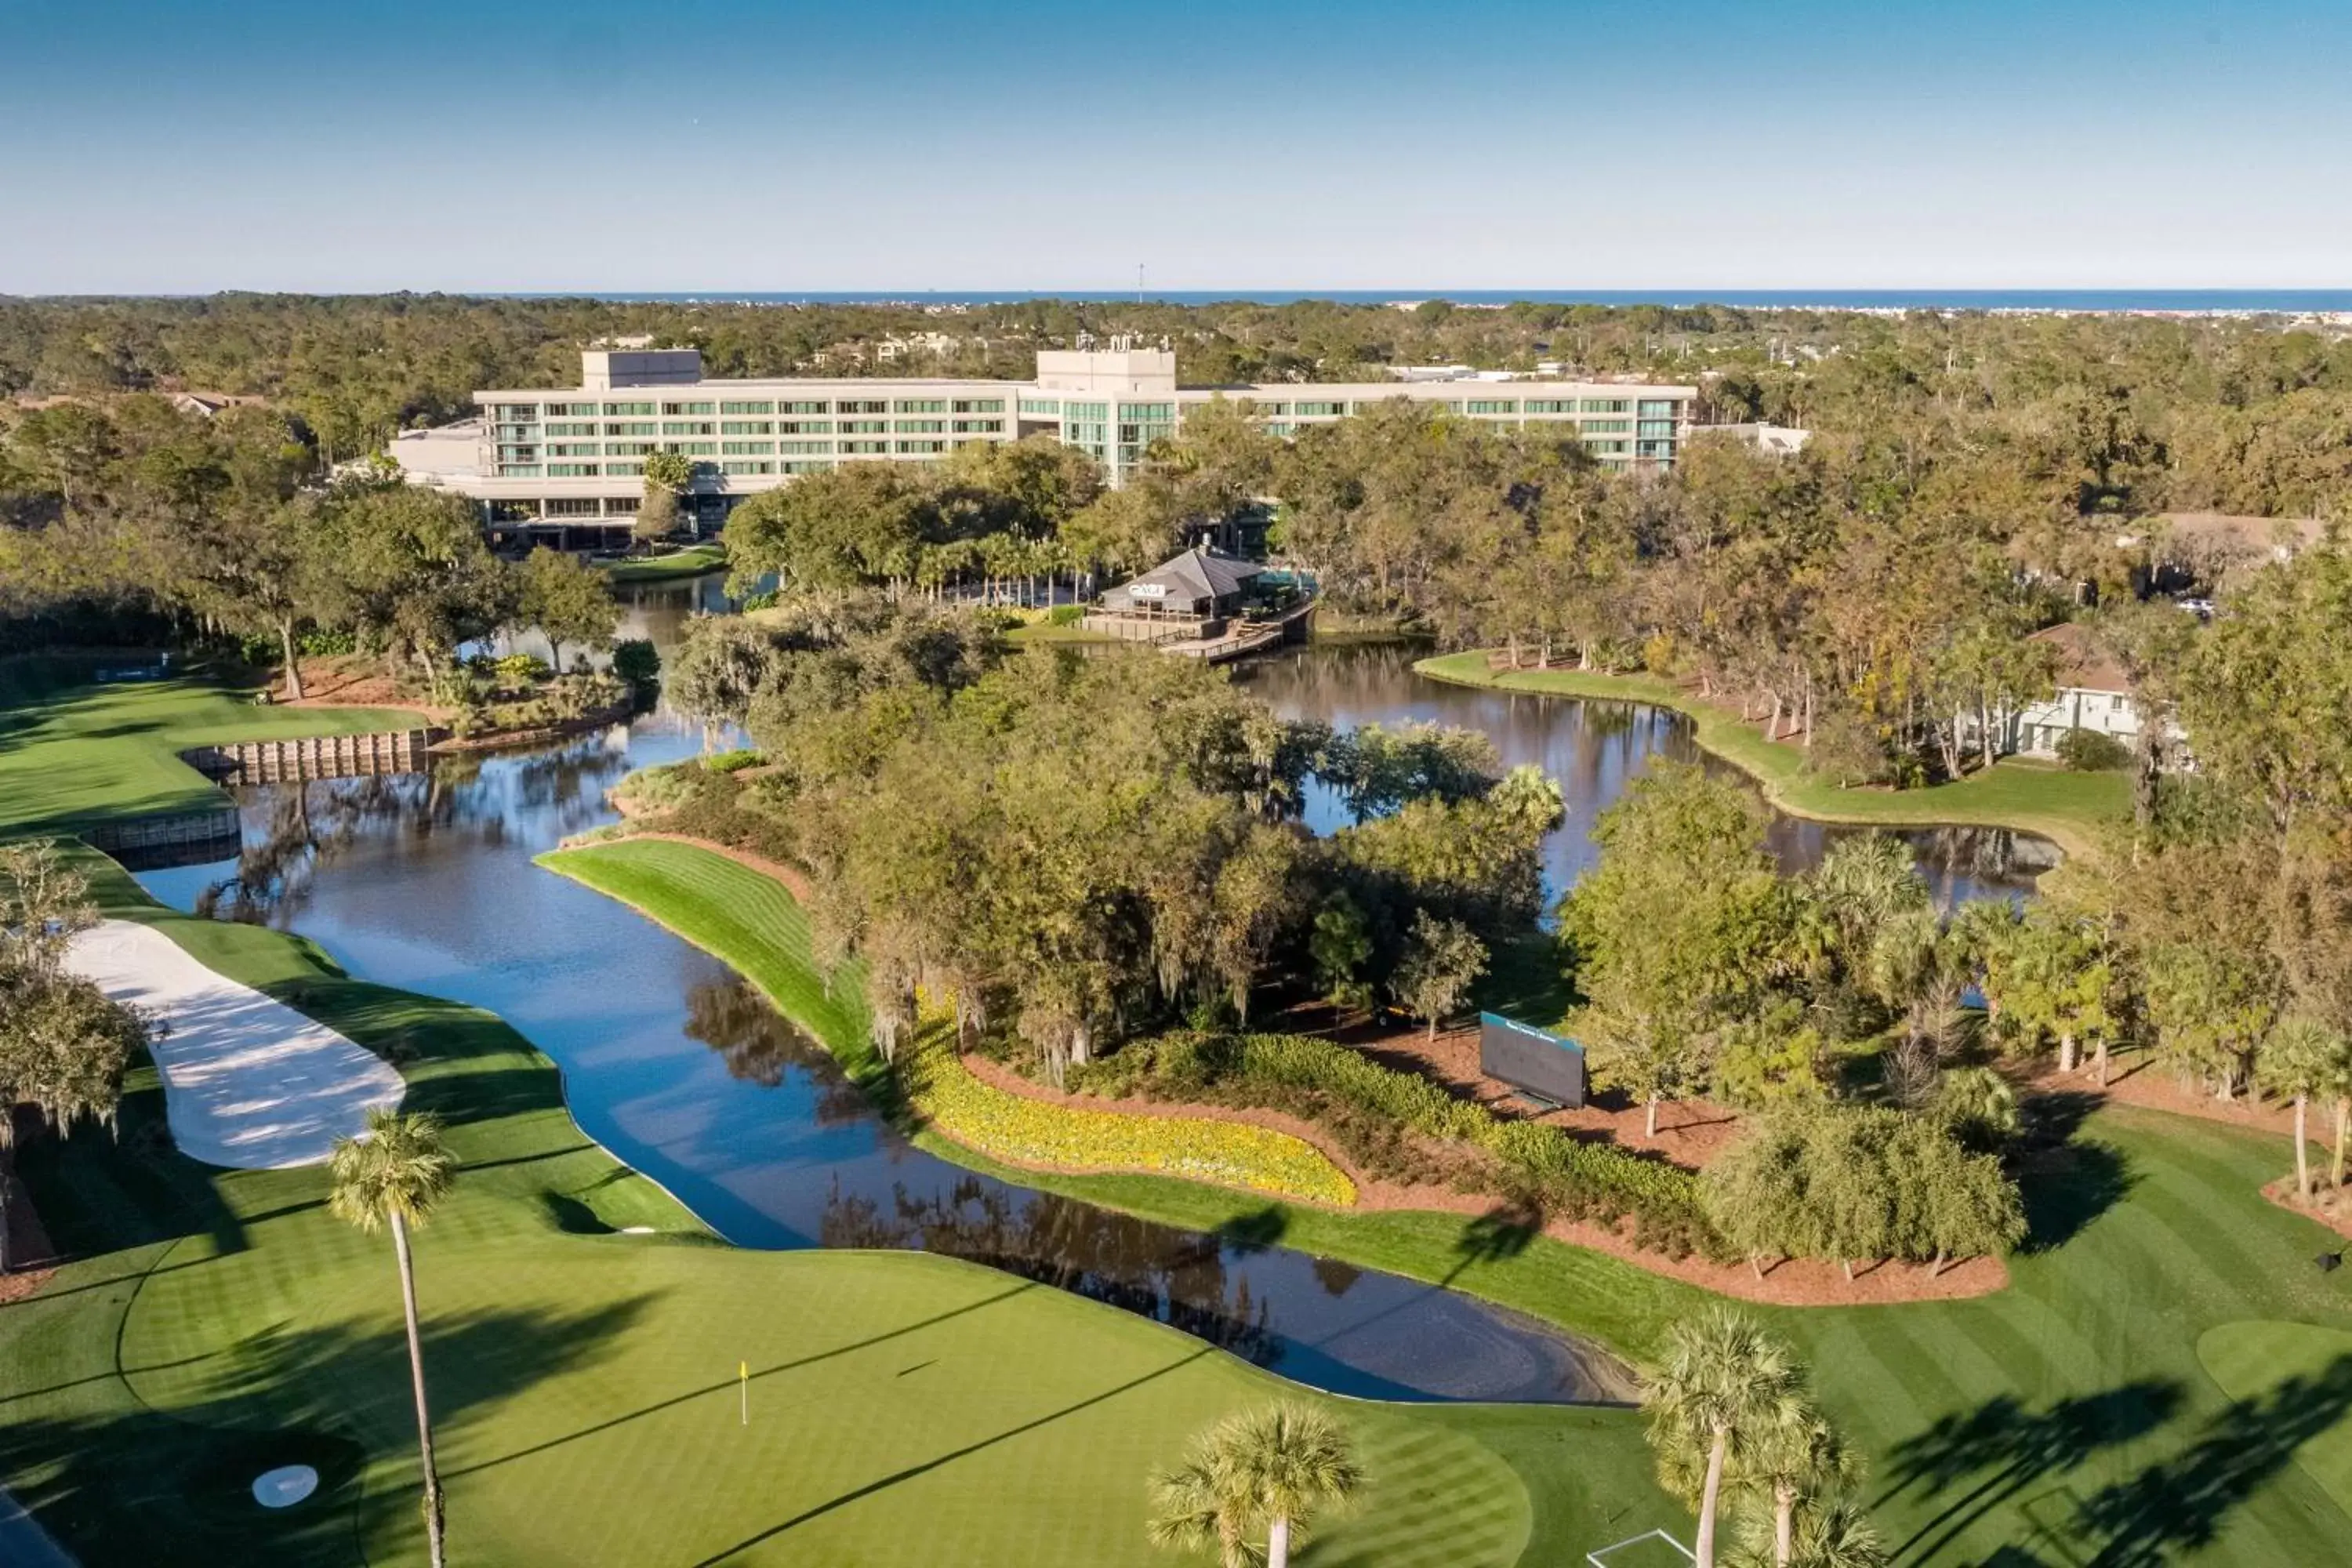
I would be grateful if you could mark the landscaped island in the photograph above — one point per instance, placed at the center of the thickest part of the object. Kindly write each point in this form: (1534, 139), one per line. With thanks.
(583, 1333)
(1059, 916)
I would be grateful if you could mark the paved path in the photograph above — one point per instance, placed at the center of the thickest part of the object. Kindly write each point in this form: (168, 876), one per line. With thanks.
(247, 1081)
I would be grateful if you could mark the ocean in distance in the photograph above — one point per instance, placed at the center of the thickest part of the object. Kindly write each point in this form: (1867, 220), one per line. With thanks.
(2290, 301)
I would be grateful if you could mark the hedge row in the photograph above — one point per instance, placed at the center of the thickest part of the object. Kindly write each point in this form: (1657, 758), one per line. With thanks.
(946, 1094)
(1327, 1082)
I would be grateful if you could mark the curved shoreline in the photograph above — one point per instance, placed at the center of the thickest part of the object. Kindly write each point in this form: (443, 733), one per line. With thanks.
(1799, 1283)
(2071, 821)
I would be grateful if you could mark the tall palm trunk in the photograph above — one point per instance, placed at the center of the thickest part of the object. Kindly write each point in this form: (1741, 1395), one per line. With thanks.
(2302, 1155)
(1708, 1496)
(2103, 1062)
(1277, 1543)
(1653, 1130)
(2343, 1116)
(2066, 1053)
(1784, 1524)
(433, 1520)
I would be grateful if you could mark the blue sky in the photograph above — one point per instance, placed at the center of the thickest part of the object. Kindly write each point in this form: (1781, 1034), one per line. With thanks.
(181, 145)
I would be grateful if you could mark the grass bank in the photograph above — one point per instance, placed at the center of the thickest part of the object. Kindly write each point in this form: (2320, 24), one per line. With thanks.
(751, 922)
(2068, 1419)
(584, 1379)
(693, 561)
(76, 749)
(2071, 809)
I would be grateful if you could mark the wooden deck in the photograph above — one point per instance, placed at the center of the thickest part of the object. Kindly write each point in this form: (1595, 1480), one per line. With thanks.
(1242, 638)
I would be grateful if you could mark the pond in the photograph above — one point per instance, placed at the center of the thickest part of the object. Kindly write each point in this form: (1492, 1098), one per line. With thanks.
(425, 882)
(1594, 750)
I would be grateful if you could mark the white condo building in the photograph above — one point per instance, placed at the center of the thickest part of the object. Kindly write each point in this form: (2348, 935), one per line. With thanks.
(567, 463)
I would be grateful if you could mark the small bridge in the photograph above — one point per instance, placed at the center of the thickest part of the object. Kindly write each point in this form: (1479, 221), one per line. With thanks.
(311, 757)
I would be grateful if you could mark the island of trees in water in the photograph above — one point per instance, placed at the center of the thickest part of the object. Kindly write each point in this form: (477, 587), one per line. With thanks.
(1099, 859)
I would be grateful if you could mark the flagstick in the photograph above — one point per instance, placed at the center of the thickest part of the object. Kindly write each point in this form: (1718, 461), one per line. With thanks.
(743, 1371)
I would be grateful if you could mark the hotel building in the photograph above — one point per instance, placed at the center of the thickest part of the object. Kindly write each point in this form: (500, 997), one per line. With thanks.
(566, 465)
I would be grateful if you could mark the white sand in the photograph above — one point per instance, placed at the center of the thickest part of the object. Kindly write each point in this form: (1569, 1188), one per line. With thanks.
(247, 1082)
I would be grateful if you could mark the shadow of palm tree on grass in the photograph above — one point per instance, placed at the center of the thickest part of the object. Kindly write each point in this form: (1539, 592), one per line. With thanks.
(2001, 1448)
(2179, 1504)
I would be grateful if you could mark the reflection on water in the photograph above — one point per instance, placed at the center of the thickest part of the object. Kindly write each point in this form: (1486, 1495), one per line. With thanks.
(1594, 749)
(425, 882)
(668, 1061)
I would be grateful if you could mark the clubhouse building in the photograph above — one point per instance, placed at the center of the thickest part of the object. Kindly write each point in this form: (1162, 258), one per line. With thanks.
(566, 465)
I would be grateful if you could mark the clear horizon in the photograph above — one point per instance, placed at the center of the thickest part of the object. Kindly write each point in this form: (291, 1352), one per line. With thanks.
(1829, 146)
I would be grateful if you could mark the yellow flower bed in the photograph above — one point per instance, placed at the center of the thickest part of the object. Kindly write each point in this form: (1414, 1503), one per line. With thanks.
(944, 1092)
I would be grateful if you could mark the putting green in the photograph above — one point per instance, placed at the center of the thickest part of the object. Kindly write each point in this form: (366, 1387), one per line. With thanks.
(903, 1407)
(2286, 1369)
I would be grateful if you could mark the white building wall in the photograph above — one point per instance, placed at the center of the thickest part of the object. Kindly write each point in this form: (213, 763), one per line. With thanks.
(575, 455)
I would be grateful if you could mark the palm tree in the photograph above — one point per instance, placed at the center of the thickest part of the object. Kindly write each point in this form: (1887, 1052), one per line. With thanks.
(1832, 1534)
(1197, 1505)
(1274, 1468)
(392, 1175)
(2303, 1058)
(1723, 1383)
(1798, 1458)
(1838, 1536)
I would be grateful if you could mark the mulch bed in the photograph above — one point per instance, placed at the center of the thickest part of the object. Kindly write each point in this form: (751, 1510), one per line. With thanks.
(352, 680)
(1794, 1283)
(1691, 1132)
(2331, 1206)
(2142, 1083)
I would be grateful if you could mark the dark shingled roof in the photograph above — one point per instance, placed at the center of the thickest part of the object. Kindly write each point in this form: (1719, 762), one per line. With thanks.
(1202, 575)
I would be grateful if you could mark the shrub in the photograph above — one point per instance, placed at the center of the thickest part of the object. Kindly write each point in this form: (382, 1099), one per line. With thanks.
(2089, 751)
(945, 1094)
(1367, 1108)
(1065, 615)
(636, 660)
(319, 643)
(515, 671)
(1848, 750)
(734, 761)
(662, 787)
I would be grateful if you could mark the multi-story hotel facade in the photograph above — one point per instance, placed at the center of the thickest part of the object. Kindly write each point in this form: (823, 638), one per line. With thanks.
(567, 463)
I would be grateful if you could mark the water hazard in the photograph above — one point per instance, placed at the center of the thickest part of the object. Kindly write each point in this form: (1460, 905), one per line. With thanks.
(425, 882)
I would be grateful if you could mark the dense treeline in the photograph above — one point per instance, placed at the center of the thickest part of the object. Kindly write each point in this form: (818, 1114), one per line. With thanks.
(2242, 414)
(2211, 940)
(1083, 847)
(121, 521)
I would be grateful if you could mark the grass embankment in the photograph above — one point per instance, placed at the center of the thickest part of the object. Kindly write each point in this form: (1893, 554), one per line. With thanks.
(751, 922)
(903, 1406)
(1047, 632)
(74, 750)
(694, 561)
(2068, 1418)
(2069, 808)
